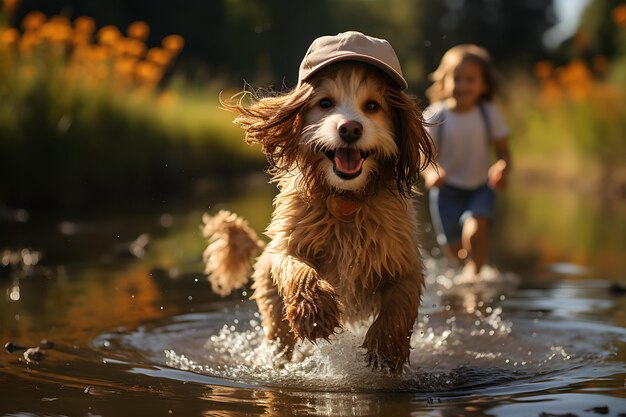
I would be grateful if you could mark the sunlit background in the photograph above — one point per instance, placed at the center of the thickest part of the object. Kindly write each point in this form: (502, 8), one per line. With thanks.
(114, 101)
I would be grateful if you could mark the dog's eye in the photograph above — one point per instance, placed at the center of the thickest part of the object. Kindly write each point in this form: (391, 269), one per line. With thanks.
(372, 106)
(326, 103)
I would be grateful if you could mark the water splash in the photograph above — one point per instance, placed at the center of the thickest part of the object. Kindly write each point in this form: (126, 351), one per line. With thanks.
(461, 340)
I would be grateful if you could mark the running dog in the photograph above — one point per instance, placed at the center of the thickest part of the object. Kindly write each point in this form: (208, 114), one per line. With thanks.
(345, 148)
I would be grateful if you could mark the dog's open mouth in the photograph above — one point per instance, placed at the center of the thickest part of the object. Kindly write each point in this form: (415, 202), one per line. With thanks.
(347, 162)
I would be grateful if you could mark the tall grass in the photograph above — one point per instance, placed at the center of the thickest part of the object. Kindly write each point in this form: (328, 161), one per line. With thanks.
(87, 116)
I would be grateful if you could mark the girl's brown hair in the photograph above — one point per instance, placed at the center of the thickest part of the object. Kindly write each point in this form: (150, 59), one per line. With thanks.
(454, 57)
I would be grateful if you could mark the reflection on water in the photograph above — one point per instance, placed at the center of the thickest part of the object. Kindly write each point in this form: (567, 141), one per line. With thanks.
(136, 328)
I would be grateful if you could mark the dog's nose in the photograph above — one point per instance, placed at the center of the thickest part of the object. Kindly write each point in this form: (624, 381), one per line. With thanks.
(350, 131)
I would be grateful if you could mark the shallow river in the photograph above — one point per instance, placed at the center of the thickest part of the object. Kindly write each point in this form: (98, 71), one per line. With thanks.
(126, 324)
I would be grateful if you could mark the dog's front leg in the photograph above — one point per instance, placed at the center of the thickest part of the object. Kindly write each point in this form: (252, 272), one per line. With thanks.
(388, 339)
(311, 304)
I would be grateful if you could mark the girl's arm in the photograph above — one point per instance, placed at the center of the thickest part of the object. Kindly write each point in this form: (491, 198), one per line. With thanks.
(500, 169)
(434, 176)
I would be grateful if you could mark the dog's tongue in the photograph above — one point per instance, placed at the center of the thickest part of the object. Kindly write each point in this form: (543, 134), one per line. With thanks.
(348, 160)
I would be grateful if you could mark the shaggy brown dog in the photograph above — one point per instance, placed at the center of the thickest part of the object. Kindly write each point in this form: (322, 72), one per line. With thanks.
(345, 148)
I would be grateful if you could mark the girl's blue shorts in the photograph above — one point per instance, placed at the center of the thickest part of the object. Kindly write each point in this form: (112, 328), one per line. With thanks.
(450, 207)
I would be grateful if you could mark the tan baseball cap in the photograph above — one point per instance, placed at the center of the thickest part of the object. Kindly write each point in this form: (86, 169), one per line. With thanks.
(351, 46)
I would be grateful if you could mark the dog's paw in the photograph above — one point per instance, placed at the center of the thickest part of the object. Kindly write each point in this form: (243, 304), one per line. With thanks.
(313, 313)
(386, 351)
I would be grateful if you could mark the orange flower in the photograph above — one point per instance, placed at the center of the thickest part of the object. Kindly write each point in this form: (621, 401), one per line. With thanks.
(138, 30)
(33, 21)
(159, 56)
(8, 37)
(576, 79)
(579, 71)
(97, 53)
(148, 73)
(57, 29)
(136, 48)
(81, 39)
(619, 15)
(108, 35)
(543, 69)
(84, 24)
(125, 67)
(173, 43)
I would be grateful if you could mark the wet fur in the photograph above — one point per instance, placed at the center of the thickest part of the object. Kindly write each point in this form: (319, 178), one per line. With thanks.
(318, 272)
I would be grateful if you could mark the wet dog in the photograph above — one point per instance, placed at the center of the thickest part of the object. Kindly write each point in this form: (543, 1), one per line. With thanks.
(344, 148)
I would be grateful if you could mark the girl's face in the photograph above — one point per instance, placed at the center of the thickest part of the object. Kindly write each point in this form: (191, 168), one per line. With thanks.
(466, 84)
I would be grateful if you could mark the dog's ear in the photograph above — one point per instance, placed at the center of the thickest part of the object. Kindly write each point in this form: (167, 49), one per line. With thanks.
(416, 149)
(273, 121)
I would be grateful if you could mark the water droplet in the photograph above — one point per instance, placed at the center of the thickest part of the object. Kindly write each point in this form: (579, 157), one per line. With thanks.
(14, 295)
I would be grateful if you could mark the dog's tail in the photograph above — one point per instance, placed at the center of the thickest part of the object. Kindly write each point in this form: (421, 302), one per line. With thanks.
(232, 247)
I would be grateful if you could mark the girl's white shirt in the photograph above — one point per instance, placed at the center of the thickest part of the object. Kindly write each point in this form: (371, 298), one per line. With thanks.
(465, 151)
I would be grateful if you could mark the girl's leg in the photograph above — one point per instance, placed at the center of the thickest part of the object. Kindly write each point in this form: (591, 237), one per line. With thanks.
(474, 235)
(446, 207)
(474, 242)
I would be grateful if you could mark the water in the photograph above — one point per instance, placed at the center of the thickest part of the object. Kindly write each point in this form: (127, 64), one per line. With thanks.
(544, 333)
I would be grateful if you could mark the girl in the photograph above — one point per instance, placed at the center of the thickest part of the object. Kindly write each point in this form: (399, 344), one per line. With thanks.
(465, 125)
